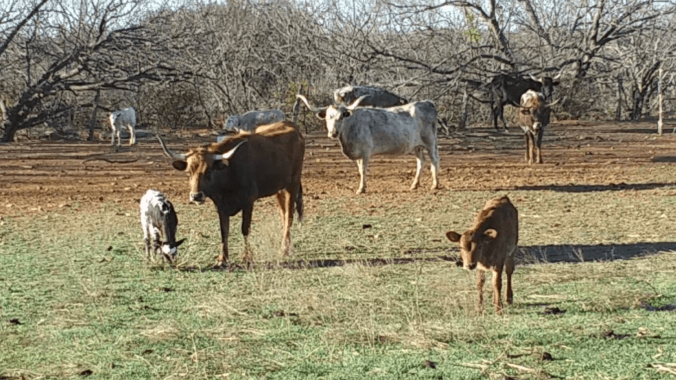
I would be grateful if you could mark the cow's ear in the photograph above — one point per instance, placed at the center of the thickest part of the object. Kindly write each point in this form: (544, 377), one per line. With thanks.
(179, 242)
(491, 233)
(524, 111)
(321, 115)
(179, 165)
(346, 114)
(453, 236)
(221, 164)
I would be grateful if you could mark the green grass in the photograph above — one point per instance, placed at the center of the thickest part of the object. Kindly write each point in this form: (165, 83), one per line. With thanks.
(82, 307)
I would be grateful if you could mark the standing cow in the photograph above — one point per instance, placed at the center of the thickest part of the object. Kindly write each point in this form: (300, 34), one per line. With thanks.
(507, 89)
(490, 245)
(363, 132)
(533, 118)
(374, 97)
(124, 118)
(243, 168)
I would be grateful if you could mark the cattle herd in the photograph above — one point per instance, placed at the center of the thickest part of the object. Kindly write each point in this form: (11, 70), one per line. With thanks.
(265, 158)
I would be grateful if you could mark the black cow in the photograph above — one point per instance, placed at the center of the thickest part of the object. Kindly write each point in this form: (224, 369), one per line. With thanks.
(507, 89)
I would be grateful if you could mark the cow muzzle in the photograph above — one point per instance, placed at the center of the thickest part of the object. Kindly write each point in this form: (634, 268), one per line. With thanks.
(470, 266)
(198, 198)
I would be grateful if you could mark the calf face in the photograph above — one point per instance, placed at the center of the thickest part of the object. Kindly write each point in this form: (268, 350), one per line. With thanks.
(474, 247)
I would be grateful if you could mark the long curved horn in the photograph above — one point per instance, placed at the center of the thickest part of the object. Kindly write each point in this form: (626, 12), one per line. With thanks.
(534, 78)
(313, 109)
(170, 154)
(228, 154)
(558, 76)
(553, 103)
(355, 104)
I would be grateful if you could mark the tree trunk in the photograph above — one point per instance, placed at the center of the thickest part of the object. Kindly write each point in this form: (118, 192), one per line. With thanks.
(637, 104)
(92, 121)
(618, 112)
(660, 94)
(463, 120)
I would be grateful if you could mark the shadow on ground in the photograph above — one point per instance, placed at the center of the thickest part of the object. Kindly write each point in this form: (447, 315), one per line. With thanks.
(592, 188)
(575, 253)
(527, 255)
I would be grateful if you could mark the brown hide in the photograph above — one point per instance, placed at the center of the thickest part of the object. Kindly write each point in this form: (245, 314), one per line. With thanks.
(267, 162)
(490, 245)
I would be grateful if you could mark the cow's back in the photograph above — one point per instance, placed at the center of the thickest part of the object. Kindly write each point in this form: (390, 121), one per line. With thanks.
(272, 159)
(501, 215)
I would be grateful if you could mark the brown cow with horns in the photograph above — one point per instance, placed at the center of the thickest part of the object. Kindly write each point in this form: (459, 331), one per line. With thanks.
(243, 168)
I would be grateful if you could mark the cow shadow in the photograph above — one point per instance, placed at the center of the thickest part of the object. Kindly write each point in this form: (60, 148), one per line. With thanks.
(664, 159)
(593, 188)
(526, 255)
(579, 253)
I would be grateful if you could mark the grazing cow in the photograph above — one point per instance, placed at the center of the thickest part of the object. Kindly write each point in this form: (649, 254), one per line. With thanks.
(243, 168)
(159, 223)
(121, 119)
(533, 118)
(252, 119)
(490, 245)
(507, 89)
(363, 132)
(375, 97)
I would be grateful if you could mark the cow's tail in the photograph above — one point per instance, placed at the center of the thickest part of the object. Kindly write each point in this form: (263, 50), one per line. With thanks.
(299, 203)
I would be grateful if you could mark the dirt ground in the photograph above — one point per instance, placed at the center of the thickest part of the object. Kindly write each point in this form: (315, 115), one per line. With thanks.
(40, 176)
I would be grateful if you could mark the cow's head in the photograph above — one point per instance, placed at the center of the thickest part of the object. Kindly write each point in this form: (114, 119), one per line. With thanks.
(232, 122)
(533, 110)
(473, 245)
(333, 115)
(548, 84)
(204, 165)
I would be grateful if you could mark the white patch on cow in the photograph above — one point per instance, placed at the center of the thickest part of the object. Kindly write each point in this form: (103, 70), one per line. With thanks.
(168, 250)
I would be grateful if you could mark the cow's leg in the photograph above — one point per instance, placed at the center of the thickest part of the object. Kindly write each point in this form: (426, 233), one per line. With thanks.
(497, 289)
(363, 164)
(420, 161)
(539, 144)
(119, 140)
(132, 135)
(509, 269)
(525, 135)
(502, 117)
(285, 205)
(224, 219)
(247, 212)
(480, 280)
(112, 137)
(434, 167)
(531, 159)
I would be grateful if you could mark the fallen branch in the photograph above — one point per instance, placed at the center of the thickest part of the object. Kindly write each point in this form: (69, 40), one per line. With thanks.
(661, 368)
(110, 161)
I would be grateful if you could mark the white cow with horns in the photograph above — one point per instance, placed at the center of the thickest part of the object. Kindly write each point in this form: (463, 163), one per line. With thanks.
(363, 132)
(124, 118)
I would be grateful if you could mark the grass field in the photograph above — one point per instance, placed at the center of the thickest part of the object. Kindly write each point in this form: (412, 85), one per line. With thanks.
(372, 293)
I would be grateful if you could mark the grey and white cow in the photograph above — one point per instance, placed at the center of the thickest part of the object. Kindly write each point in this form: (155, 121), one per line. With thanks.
(124, 118)
(252, 119)
(363, 132)
(375, 97)
(159, 223)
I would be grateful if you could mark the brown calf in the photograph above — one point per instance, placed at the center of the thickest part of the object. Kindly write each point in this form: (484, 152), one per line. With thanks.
(243, 168)
(533, 118)
(490, 245)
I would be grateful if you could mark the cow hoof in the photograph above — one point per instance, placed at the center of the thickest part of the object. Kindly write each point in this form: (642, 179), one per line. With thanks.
(435, 187)
(414, 187)
(361, 191)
